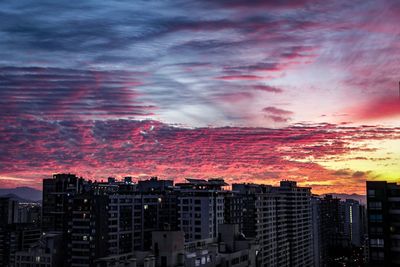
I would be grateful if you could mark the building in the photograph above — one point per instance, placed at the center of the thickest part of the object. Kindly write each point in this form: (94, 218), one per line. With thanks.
(8, 211)
(29, 213)
(354, 221)
(318, 242)
(45, 252)
(261, 221)
(280, 219)
(338, 231)
(295, 205)
(112, 221)
(14, 236)
(200, 206)
(383, 215)
(57, 193)
(231, 248)
(234, 249)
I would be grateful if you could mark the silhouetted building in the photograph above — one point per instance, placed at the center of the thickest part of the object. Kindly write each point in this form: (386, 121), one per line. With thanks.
(8, 211)
(44, 253)
(383, 209)
(318, 242)
(57, 193)
(14, 235)
(29, 213)
(338, 231)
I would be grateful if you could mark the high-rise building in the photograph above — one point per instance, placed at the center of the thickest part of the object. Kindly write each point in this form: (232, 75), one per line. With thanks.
(111, 220)
(57, 193)
(338, 231)
(261, 220)
(280, 219)
(14, 235)
(295, 204)
(354, 220)
(318, 241)
(29, 213)
(200, 206)
(8, 211)
(383, 214)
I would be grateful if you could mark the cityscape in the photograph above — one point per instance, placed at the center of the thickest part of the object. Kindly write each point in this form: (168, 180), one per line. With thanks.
(156, 222)
(200, 133)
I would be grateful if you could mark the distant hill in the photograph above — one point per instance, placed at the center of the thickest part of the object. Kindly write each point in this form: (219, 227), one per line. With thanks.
(21, 200)
(361, 198)
(25, 193)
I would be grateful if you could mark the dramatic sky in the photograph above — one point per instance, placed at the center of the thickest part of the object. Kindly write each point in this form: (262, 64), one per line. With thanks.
(254, 91)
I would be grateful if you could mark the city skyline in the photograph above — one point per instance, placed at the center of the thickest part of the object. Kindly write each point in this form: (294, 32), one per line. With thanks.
(248, 92)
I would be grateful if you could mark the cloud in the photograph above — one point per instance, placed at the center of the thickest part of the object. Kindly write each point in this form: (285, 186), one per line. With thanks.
(79, 80)
(381, 108)
(242, 77)
(62, 93)
(276, 111)
(34, 149)
(267, 88)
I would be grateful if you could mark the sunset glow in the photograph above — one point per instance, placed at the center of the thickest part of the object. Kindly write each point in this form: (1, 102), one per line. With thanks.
(250, 91)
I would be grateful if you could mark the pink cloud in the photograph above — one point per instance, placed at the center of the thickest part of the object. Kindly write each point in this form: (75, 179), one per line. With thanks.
(239, 77)
(267, 88)
(381, 108)
(97, 149)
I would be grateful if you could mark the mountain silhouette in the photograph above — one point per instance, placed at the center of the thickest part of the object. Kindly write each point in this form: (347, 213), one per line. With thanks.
(24, 193)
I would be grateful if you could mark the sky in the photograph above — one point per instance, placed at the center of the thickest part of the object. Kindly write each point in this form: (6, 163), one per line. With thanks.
(249, 91)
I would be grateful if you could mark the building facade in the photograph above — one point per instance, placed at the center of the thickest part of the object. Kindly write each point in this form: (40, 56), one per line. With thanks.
(383, 211)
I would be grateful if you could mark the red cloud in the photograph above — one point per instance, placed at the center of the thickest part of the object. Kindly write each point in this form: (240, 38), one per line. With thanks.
(97, 149)
(381, 108)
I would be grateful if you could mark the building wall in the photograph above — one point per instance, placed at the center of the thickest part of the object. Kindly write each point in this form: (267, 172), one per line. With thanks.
(383, 215)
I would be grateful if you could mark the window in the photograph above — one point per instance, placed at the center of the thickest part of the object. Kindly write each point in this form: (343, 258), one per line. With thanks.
(235, 261)
(371, 193)
(375, 217)
(376, 230)
(377, 242)
(375, 205)
(377, 255)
